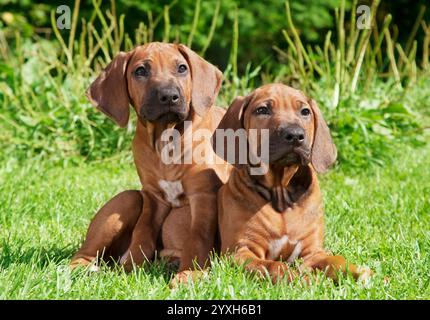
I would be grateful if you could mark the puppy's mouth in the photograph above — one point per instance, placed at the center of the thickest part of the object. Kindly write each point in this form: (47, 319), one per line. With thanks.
(171, 117)
(300, 156)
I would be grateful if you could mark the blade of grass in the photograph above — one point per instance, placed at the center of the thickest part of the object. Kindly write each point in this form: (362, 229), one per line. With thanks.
(166, 35)
(61, 40)
(300, 49)
(212, 28)
(352, 34)
(194, 25)
(74, 24)
(390, 53)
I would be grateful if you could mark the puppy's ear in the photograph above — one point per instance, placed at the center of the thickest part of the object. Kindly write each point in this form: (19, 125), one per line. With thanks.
(324, 151)
(233, 119)
(206, 80)
(109, 91)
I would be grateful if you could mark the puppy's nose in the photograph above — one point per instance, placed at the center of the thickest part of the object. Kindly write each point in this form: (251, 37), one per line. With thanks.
(168, 96)
(294, 134)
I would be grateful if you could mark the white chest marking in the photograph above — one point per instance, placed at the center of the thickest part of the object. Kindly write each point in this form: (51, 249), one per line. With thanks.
(276, 246)
(172, 191)
(296, 252)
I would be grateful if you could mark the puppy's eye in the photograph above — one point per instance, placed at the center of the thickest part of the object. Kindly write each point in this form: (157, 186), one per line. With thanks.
(305, 112)
(262, 110)
(182, 68)
(141, 72)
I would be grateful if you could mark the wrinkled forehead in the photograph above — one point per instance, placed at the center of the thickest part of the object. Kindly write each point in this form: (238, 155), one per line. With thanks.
(157, 53)
(279, 95)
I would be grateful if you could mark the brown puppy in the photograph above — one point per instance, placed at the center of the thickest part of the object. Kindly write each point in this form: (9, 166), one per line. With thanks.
(269, 220)
(166, 84)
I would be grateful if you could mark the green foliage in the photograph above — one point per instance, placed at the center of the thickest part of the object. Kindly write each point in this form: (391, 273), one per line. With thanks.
(374, 92)
(364, 86)
(261, 21)
(368, 85)
(47, 115)
(370, 125)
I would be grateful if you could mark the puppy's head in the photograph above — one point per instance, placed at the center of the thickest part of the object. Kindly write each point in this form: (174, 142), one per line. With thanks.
(298, 133)
(162, 81)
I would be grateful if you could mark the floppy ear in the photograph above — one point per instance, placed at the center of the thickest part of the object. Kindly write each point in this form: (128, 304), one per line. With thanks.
(233, 119)
(324, 151)
(206, 80)
(109, 91)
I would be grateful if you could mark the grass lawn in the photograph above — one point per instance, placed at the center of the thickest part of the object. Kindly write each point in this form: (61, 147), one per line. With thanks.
(378, 217)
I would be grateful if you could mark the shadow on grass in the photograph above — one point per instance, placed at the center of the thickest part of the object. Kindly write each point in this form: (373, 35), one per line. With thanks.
(40, 257)
(22, 253)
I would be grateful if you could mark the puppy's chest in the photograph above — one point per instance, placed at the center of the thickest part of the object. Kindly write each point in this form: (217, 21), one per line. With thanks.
(285, 235)
(283, 248)
(173, 192)
(162, 179)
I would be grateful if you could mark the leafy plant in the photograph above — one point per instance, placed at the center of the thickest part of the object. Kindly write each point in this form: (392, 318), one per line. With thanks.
(361, 78)
(368, 85)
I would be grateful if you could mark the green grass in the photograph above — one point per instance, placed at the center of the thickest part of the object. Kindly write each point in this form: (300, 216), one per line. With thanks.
(54, 172)
(378, 217)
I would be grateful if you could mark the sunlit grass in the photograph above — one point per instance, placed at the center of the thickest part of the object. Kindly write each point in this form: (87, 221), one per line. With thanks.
(62, 159)
(377, 218)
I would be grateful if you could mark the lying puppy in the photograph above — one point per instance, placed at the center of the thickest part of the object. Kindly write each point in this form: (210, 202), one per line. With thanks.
(271, 219)
(176, 211)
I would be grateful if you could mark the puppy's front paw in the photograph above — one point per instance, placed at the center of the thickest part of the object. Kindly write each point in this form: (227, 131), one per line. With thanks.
(279, 270)
(85, 263)
(186, 277)
(364, 275)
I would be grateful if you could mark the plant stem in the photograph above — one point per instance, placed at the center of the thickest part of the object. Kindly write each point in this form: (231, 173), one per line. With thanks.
(194, 25)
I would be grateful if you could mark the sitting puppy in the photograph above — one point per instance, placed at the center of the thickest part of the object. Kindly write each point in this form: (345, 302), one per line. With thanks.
(271, 219)
(169, 86)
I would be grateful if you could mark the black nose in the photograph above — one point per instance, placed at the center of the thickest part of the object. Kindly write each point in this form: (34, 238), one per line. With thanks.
(293, 134)
(168, 96)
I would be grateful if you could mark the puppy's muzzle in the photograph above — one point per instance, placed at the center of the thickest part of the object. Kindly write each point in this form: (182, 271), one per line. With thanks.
(288, 146)
(168, 96)
(166, 104)
(294, 135)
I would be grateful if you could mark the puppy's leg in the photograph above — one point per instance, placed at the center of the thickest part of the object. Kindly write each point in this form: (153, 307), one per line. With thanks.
(110, 230)
(332, 265)
(200, 237)
(174, 233)
(144, 238)
(252, 263)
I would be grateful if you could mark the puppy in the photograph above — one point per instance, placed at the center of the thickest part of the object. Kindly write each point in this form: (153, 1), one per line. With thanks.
(176, 210)
(270, 219)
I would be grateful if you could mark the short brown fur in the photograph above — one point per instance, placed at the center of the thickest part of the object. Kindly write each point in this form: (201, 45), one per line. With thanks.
(134, 224)
(271, 219)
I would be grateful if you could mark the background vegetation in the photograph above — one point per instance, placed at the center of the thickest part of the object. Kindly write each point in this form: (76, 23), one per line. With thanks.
(362, 78)
(61, 159)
